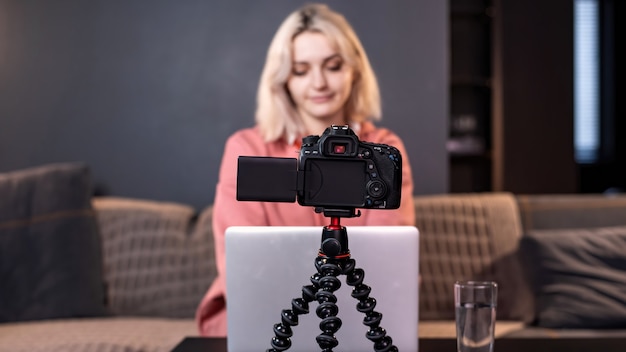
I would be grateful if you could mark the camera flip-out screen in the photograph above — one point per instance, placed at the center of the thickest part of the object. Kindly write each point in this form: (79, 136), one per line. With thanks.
(267, 179)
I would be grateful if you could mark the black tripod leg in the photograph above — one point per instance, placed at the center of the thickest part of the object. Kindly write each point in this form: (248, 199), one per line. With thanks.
(366, 305)
(289, 317)
(327, 310)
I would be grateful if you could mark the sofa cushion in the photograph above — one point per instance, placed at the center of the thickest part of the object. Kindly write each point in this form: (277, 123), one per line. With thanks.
(124, 334)
(50, 255)
(578, 276)
(158, 256)
(470, 237)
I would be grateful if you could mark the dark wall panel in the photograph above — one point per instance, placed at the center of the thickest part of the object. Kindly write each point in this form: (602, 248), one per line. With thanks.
(536, 53)
(146, 92)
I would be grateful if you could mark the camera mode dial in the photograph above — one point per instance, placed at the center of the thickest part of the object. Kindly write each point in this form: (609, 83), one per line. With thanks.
(310, 141)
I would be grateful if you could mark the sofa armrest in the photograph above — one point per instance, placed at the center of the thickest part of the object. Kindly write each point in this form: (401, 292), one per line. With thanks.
(158, 256)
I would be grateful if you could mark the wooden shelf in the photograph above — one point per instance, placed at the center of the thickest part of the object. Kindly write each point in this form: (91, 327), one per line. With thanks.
(470, 94)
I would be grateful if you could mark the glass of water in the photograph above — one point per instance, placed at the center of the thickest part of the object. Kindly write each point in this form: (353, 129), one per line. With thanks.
(475, 303)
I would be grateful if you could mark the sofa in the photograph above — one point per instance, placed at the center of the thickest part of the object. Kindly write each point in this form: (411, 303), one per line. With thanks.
(154, 262)
(142, 266)
(559, 261)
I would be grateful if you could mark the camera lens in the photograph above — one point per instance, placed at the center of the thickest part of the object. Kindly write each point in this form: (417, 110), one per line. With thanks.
(376, 189)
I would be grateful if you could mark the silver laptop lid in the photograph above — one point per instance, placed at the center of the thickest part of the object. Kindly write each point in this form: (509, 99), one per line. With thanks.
(268, 266)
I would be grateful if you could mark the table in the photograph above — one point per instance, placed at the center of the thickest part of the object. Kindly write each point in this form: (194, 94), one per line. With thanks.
(506, 344)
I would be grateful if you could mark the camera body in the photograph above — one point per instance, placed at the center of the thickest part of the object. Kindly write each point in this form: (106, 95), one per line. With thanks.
(334, 171)
(339, 170)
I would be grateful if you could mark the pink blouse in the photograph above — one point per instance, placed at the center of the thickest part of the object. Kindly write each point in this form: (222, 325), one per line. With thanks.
(227, 211)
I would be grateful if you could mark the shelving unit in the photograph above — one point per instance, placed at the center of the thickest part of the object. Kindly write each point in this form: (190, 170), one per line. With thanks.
(469, 143)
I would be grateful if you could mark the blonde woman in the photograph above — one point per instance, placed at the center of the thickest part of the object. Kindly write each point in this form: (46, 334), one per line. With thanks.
(316, 75)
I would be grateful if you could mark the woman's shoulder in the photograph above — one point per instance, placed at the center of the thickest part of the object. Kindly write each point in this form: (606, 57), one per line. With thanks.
(248, 141)
(245, 140)
(374, 134)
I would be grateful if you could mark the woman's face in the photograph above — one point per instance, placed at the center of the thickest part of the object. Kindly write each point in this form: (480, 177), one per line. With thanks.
(320, 80)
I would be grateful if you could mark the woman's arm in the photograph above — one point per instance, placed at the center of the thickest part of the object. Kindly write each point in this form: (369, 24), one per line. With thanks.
(227, 210)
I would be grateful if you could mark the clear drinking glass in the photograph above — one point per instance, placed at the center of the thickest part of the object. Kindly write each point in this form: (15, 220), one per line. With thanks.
(475, 303)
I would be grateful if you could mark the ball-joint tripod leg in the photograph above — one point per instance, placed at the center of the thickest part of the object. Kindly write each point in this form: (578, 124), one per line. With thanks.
(333, 260)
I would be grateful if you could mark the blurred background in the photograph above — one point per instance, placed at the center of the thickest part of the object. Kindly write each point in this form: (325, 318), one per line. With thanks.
(487, 95)
(535, 93)
(147, 91)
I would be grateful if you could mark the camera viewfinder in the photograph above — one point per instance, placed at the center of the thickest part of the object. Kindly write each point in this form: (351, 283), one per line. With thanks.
(339, 148)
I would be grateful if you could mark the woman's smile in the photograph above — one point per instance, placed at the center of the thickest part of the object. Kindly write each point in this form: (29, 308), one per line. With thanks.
(320, 99)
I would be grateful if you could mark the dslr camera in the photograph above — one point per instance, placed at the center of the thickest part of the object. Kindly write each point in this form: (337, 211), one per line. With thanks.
(334, 171)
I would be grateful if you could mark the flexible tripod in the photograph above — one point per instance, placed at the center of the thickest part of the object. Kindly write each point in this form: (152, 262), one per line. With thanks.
(333, 260)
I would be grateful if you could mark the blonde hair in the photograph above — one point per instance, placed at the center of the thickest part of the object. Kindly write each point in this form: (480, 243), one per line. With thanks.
(276, 115)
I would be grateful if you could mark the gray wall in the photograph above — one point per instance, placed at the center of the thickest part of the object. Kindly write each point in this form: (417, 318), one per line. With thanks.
(146, 92)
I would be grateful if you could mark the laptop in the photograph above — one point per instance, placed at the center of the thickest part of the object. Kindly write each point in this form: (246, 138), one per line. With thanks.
(266, 267)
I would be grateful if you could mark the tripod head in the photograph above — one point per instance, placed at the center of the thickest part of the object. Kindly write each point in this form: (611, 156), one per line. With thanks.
(334, 236)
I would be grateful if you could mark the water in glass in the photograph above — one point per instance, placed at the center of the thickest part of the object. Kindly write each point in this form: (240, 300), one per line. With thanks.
(475, 327)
